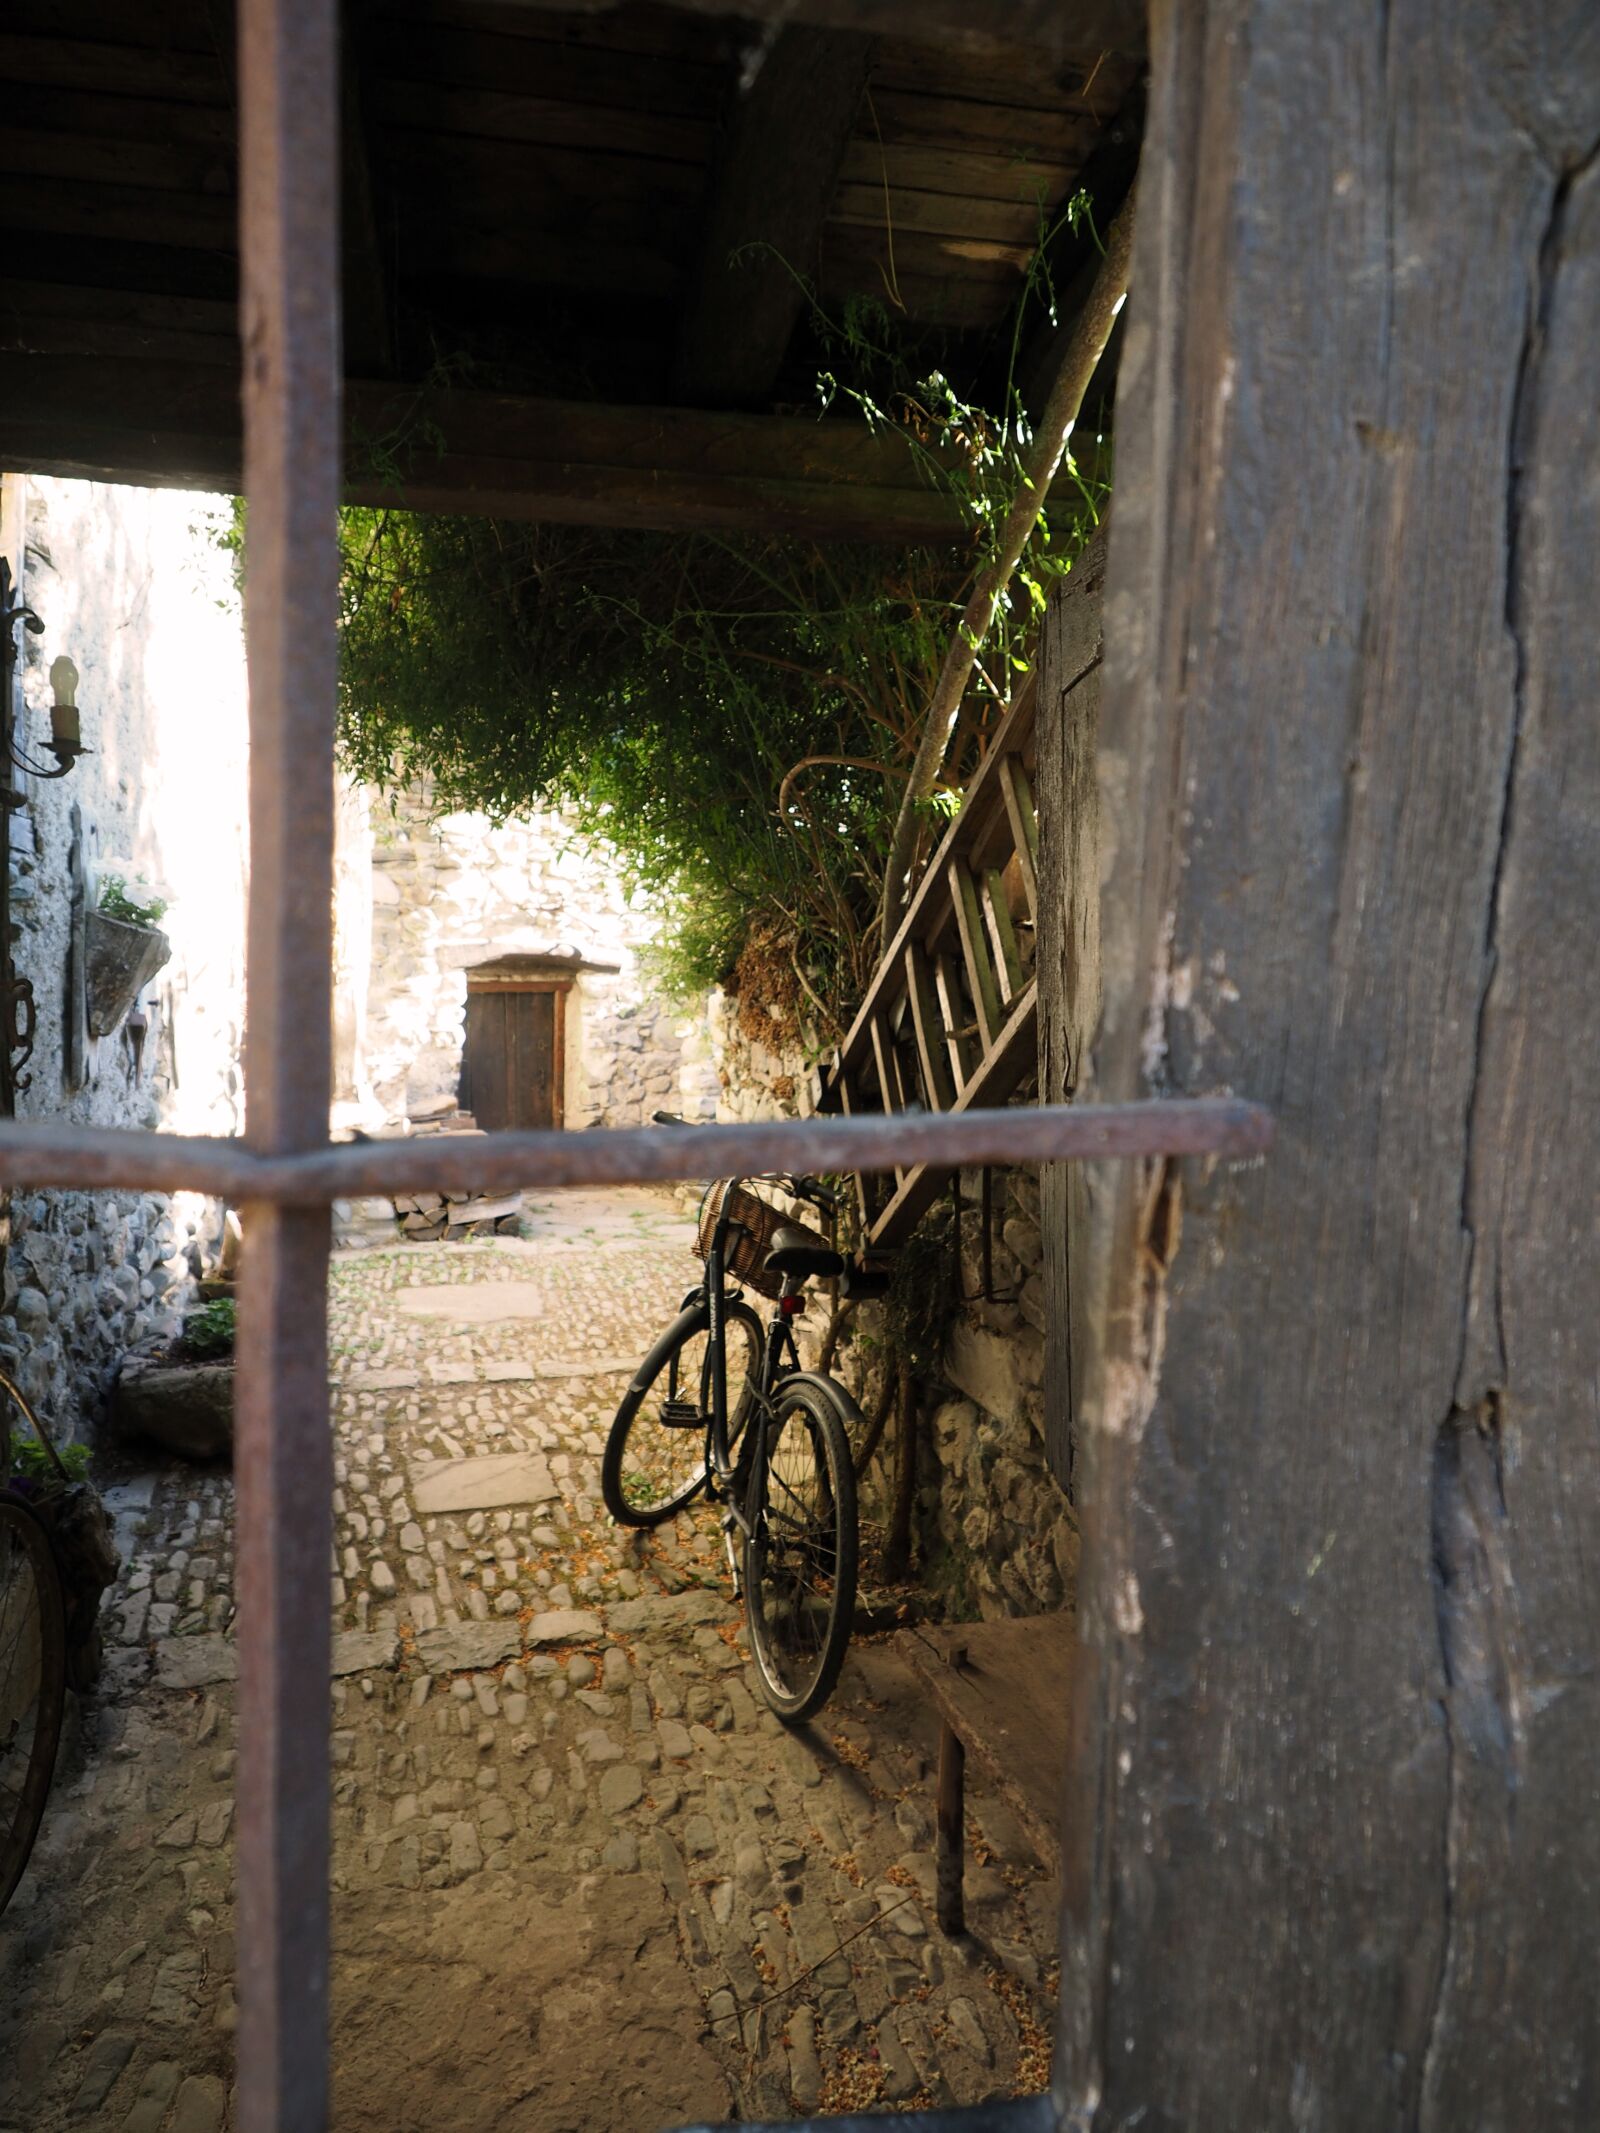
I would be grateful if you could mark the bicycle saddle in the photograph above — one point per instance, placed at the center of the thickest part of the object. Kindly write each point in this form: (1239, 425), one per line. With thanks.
(795, 1251)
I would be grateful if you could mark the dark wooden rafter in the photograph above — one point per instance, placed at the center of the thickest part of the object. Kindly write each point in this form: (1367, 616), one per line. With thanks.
(368, 302)
(979, 26)
(774, 179)
(949, 1020)
(501, 455)
(523, 184)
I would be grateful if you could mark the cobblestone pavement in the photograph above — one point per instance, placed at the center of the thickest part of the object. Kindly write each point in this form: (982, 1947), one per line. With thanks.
(582, 1879)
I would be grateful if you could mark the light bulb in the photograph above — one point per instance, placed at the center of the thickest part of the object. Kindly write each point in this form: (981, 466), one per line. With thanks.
(64, 711)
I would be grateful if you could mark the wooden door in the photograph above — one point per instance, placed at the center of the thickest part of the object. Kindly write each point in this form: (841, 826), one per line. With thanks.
(511, 1068)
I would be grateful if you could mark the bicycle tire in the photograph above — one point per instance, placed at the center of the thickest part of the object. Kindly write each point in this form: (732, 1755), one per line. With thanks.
(33, 1683)
(652, 1470)
(800, 1554)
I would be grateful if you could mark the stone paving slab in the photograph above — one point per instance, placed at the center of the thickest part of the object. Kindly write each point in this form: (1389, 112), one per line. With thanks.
(602, 1366)
(481, 1305)
(358, 1651)
(196, 1662)
(670, 1615)
(489, 1481)
(468, 1646)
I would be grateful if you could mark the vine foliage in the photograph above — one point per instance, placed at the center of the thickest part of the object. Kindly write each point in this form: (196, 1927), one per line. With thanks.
(736, 717)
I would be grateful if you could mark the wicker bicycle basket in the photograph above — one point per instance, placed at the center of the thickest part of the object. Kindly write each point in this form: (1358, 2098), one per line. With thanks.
(749, 1235)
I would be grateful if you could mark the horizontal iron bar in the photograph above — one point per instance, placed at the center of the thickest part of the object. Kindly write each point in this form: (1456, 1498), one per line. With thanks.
(36, 1153)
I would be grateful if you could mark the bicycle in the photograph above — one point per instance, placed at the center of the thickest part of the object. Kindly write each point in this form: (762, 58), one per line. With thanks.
(778, 1459)
(56, 1558)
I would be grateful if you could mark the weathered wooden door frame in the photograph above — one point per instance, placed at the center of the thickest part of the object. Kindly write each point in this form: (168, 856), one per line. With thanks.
(1334, 1837)
(560, 987)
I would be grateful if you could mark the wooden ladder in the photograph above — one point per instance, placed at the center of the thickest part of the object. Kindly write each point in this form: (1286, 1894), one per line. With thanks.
(948, 1022)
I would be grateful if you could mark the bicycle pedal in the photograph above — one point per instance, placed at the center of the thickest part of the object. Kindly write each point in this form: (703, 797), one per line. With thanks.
(681, 1414)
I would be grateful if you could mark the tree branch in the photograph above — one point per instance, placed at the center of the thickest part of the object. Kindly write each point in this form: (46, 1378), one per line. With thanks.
(849, 762)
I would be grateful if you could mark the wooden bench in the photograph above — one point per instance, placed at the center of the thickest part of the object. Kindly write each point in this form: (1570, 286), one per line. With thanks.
(1000, 1689)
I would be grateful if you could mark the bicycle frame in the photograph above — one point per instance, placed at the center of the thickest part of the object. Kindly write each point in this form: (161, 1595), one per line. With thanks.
(779, 1341)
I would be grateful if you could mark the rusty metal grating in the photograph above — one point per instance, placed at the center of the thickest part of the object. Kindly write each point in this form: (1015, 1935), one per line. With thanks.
(284, 1170)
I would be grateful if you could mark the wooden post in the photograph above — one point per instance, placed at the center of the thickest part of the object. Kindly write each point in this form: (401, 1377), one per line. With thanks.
(897, 1545)
(1335, 1854)
(951, 1831)
(1068, 963)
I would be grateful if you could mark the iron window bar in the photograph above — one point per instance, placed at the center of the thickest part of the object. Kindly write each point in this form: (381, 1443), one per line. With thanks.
(87, 1157)
(284, 1173)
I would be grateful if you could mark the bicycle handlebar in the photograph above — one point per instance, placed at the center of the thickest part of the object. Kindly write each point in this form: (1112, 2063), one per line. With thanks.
(816, 1192)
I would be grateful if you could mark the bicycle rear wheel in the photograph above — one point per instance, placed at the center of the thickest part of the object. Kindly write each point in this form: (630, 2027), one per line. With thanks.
(33, 1680)
(800, 1553)
(655, 1458)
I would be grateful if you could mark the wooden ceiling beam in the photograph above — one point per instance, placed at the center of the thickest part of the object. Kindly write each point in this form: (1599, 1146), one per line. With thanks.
(979, 26)
(495, 455)
(368, 304)
(776, 171)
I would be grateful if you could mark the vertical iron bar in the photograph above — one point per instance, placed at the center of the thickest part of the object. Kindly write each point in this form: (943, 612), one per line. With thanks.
(951, 1833)
(289, 329)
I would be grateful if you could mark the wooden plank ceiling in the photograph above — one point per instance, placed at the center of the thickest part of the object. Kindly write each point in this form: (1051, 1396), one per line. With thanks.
(614, 208)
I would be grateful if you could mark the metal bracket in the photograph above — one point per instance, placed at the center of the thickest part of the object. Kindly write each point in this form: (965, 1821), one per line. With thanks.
(13, 611)
(21, 1023)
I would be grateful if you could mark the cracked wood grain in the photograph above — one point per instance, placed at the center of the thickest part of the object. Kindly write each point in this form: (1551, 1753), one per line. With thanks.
(1068, 951)
(1517, 1467)
(1336, 1852)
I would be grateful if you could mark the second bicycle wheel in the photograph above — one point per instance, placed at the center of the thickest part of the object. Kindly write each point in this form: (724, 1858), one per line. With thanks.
(800, 1554)
(32, 1685)
(655, 1458)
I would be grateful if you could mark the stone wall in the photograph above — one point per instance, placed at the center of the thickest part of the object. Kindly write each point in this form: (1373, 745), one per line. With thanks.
(133, 588)
(757, 1076)
(988, 1504)
(992, 1529)
(451, 892)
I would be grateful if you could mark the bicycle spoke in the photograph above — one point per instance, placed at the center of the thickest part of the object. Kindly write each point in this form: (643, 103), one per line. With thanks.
(659, 1462)
(801, 1560)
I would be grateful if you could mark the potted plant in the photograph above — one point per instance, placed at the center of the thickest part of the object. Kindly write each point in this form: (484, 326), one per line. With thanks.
(124, 947)
(181, 1395)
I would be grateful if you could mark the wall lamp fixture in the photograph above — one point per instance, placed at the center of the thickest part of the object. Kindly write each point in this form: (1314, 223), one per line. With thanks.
(66, 739)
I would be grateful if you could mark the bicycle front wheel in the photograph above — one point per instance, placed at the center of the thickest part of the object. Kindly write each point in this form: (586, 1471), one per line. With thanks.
(655, 1458)
(800, 1552)
(33, 1680)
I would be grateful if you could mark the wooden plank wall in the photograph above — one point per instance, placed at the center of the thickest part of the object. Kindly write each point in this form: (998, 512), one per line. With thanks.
(1068, 720)
(1334, 1848)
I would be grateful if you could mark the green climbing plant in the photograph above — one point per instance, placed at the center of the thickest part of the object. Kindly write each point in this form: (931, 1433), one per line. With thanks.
(736, 717)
